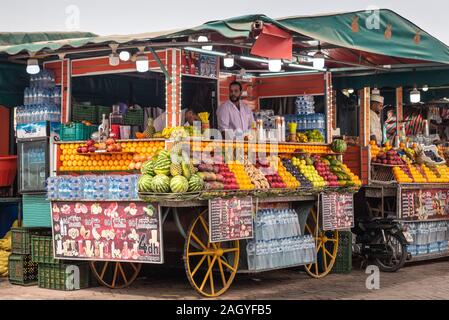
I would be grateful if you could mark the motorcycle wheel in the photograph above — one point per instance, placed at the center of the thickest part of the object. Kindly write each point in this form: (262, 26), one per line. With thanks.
(395, 245)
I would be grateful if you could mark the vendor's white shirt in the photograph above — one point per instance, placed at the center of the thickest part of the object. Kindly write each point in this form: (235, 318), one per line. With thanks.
(159, 122)
(375, 126)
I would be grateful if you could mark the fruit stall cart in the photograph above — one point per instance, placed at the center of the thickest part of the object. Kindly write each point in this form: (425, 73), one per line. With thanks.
(409, 182)
(172, 210)
(94, 188)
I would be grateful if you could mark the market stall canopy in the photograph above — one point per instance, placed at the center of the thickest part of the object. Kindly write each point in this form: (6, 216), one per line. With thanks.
(366, 39)
(20, 38)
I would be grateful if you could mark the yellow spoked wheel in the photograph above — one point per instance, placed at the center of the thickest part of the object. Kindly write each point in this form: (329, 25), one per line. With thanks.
(326, 246)
(210, 267)
(115, 275)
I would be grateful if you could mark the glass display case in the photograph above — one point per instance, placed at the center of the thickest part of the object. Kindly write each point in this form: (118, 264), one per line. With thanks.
(33, 164)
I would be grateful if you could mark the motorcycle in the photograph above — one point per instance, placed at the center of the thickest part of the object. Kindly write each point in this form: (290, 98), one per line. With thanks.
(382, 241)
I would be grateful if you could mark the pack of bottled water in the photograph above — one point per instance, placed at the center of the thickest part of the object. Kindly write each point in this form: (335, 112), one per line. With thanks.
(278, 242)
(44, 79)
(429, 237)
(41, 101)
(92, 187)
(305, 105)
(122, 187)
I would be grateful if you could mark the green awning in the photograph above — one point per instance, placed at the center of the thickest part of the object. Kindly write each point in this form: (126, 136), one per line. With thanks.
(407, 40)
(394, 36)
(433, 78)
(17, 38)
(77, 42)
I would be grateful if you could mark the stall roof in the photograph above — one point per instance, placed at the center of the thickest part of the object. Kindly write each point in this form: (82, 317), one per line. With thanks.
(24, 38)
(346, 38)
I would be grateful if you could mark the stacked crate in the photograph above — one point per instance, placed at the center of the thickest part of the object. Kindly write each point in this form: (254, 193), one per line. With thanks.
(56, 274)
(343, 262)
(22, 269)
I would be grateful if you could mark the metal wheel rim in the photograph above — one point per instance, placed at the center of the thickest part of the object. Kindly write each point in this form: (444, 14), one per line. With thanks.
(123, 273)
(326, 245)
(217, 278)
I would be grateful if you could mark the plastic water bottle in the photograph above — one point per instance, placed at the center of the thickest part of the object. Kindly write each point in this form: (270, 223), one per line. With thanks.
(250, 249)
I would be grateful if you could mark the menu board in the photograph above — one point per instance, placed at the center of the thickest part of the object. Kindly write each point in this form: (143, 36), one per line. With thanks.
(198, 64)
(424, 204)
(109, 231)
(337, 211)
(231, 219)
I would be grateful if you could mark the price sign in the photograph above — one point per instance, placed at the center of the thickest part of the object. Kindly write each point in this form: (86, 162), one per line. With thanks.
(337, 211)
(110, 231)
(231, 219)
(424, 204)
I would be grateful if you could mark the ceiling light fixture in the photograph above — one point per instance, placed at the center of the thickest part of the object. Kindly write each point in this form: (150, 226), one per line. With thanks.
(228, 60)
(33, 66)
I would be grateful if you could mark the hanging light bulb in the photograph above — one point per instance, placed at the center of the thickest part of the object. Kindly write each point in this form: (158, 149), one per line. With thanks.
(33, 66)
(318, 58)
(142, 64)
(415, 96)
(125, 55)
(350, 90)
(114, 59)
(204, 39)
(228, 60)
(425, 88)
(274, 65)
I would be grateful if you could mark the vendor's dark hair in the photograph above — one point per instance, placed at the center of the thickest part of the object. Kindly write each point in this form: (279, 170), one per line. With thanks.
(236, 83)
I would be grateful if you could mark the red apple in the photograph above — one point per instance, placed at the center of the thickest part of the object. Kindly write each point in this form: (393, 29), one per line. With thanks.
(92, 149)
(90, 143)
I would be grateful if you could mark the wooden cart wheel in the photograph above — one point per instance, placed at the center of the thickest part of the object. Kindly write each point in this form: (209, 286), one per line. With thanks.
(326, 245)
(210, 267)
(115, 275)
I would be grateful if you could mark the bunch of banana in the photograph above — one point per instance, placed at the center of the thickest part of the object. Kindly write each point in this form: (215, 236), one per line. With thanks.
(302, 138)
(5, 251)
(257, 177)
(5, 244)
(410, 153)
(4, 255)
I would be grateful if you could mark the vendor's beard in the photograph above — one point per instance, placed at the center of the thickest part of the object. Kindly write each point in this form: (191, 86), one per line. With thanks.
(234, 99)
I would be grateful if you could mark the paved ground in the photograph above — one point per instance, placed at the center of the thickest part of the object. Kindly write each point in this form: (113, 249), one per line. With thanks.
(422, 281)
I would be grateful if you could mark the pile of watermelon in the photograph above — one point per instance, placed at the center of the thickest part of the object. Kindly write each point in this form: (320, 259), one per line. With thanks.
(169, 172)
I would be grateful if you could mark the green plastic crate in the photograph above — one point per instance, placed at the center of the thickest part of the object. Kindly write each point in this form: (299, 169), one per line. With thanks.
(62, 276)
(21, 238)
(103, 110)
(76, 131)
(36, 210)
(133, 117)
(84, 113)
(22, 270)
(343, 261)
(42, 250)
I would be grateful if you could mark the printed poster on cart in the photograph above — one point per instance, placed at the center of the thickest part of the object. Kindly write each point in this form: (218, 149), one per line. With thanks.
(424, 204)
(337, 211)
(107, 231)
(231, 219)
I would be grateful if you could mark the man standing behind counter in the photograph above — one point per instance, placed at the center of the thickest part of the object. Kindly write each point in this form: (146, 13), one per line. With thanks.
(234, 114)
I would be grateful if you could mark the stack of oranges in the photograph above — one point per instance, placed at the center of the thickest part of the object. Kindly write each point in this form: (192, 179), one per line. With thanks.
(133, 152)
(72, 161)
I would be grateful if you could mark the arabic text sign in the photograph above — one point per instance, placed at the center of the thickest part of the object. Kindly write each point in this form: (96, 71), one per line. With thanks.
(231, 219)
(110, 231)
(337, 211)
